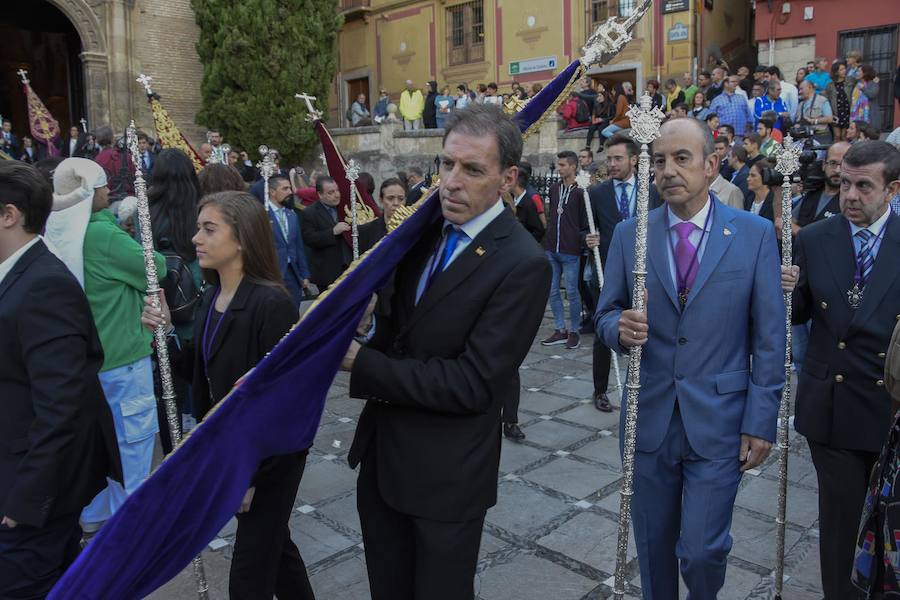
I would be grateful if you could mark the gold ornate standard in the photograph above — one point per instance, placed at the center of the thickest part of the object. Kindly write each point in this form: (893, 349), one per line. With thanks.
(645, 123)
(787, 163)
(584, 181)
(173, 419)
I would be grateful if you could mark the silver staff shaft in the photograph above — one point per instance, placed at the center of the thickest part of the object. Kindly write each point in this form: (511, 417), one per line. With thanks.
(173, 419)
(352, 174)
(598, 268)
(787, 163)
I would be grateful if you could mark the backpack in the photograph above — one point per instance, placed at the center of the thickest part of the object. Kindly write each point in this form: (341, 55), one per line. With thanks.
(182, 294)
(582, 112)
(349, 114)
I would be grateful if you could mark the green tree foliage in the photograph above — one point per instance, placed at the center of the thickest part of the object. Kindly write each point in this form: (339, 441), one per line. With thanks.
(256, 55)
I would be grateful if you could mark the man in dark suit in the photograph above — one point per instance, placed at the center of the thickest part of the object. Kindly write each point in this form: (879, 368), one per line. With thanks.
(826, 202)
(741, 169)
(612, 201)
(723, 149)
(58, 439)
(71, 144)
(415, 181)
(849, 285)
(9, 143)
(288, 240)
(436, 373)
(323, 233)
(148, 156)
(526, 209)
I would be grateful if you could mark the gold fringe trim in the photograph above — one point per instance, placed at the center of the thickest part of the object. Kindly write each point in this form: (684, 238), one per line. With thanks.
(559, 100)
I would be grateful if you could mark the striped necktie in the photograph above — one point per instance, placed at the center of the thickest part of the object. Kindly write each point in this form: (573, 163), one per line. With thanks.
(864, 257)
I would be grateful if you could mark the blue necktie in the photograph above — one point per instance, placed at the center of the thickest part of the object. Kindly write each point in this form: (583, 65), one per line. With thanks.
(454, 235)
(864, 256)
(624, 209)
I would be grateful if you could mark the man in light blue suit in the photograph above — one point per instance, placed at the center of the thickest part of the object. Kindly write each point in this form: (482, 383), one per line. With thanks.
(704, 417)
(288, 238)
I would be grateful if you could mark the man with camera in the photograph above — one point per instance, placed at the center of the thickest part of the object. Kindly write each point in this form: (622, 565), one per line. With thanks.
(824, 202)
(814, 114)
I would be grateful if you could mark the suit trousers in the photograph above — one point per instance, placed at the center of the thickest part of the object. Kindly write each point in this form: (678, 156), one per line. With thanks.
(602, 359)
(682, 511)
(511, 404)
(293, 285)
(843, 477)
(411, 558)
(32, 559)
(266, 561)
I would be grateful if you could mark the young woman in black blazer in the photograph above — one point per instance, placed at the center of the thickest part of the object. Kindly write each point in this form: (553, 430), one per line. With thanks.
(243, 314)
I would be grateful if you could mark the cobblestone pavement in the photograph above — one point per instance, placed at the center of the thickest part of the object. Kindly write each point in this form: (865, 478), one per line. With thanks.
(552, 533)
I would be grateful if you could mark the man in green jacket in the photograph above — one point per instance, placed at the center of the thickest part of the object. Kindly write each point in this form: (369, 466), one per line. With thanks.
(110, 266)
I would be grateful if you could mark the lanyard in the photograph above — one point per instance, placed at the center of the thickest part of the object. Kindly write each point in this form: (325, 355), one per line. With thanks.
(681, 278)
(564, 194)
(207, 341)
(872, 243)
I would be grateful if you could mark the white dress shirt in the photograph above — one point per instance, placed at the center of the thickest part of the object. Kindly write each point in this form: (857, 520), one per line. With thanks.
(7, 265)
(875, 228)
(630, 191)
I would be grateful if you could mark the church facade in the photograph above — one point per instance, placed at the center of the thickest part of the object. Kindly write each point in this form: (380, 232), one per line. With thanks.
(83, 57)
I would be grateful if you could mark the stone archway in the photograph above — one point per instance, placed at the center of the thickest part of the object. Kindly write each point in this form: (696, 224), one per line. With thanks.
(94, 57)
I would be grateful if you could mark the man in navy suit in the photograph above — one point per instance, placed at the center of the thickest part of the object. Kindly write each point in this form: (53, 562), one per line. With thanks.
(612, 201)
(288, 239)
(714, 301)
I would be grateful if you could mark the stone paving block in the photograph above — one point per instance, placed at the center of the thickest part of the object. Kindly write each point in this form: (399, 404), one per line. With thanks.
(754, 539)
(564, 365)
(521, 509)
(761, 495)
(588, 538)
(490, 544)
(541, 403)
(346, 580)
(341, 432)
(536, 378)
(739, 583)
(326, 479)
(183, 585)
(551, 434)
(604, 450)
(808, 573)
(514, 456)
(344, 512)
(316, 540)
(343, 405)
(571, 477)
(574, 388)
(587, 414)
(528, 577)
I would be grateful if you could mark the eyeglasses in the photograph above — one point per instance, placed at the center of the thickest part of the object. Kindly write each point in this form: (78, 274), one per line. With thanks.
(834, 164)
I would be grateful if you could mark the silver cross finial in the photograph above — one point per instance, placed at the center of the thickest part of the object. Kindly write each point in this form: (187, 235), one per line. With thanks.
(314, 114)
(645, 120)
(24, 75)
(145, 80)
(787, 157)
(267, 165)
(84, 124)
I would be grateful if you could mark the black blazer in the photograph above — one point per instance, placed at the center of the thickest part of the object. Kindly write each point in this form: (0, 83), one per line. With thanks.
(330, 254)
(415, 193)
(740, 179)
(64, 146)
(436, 374)
(57, 438)
(370, 233)
(605, 206)
(528, 216)
(767, 210)
(841, 399)
(807, 213)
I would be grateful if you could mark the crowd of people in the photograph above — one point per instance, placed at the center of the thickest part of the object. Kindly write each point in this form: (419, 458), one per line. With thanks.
(237, 256)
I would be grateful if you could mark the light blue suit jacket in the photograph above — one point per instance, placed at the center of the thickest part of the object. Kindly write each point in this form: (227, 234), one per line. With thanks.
(702, 356)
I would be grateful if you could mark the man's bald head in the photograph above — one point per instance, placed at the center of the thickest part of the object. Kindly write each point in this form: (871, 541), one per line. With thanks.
(694, 128)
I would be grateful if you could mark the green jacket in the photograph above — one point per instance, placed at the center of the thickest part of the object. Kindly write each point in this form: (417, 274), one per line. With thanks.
(115, 284)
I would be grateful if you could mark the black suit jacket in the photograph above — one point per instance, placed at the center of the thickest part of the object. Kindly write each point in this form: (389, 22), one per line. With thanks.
(330, 253)
(57, 438)
(65, 145)
(605, 206)
(841, 399)
(528, 216)
(415, 193)
(437, 373)
(810, 202)
(740, 179)
(767, 210)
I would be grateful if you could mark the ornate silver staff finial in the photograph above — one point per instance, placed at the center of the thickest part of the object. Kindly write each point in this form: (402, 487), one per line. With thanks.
(611, 36)
(266, 167)
(173, 417)
(584, 180)
(645, 122)
(787, 163)
(24, 75)
(352, 173)
(145, 80)
(313, 113)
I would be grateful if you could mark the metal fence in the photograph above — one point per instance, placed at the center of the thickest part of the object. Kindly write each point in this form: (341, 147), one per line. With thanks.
(540, 181)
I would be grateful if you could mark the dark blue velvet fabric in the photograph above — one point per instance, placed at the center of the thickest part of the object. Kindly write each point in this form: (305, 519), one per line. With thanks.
(275, 409)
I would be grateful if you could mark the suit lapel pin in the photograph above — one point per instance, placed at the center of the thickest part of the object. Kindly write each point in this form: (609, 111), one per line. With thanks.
(727, 231)
(480, 251)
